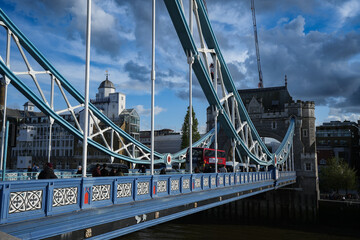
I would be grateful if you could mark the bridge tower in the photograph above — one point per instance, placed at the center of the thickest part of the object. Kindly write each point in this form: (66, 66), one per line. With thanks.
(270, 110)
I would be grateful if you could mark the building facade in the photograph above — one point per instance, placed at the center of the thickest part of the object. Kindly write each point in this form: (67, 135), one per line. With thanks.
(165, 140)
(29, 132)
(270, 110)
(339, 140)
(111, 103)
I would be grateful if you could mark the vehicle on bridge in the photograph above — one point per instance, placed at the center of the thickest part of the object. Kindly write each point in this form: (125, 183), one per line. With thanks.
(204, 159)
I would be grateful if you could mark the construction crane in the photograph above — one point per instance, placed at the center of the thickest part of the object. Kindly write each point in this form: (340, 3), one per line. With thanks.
(260, 85)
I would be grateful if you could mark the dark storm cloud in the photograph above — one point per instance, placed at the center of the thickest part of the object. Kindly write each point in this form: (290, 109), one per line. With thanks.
(197, 93)
(343, 47)
(317, 66)
(164, 79)
(136, 71)
(315, 61)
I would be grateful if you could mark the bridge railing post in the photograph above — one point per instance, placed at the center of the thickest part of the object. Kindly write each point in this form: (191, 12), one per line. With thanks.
(5, 195)
(85, 194)
(49, 197)
(114, 191)
(154, 186)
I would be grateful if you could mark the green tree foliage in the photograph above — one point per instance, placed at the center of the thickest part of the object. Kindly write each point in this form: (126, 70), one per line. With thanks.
(337, 175)
(186, 130)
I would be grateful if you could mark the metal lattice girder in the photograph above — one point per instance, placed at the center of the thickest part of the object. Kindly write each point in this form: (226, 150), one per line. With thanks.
(284, 149)
(237, 124)
(205, 142)
(67, 90)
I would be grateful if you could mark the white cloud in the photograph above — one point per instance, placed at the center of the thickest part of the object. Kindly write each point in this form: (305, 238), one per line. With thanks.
(349, 9)
(147, 111)
(335, 114)
(202, 129)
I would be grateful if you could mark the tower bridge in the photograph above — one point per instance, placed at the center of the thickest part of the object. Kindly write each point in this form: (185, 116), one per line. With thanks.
(67, 208)
(270, 110)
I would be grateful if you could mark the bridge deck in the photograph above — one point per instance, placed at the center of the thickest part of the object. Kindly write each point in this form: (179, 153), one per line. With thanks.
(116, 220)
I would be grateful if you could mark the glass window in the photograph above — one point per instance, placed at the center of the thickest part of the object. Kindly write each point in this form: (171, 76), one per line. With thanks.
(209, 153)
(305, 132)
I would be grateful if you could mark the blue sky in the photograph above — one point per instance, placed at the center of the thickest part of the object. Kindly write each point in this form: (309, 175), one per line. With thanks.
(315, 43)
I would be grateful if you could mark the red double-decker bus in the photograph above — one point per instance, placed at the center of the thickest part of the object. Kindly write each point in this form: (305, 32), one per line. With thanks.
(204, 157)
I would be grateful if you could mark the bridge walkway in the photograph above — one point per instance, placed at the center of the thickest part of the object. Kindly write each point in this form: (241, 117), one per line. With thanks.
(116, 220)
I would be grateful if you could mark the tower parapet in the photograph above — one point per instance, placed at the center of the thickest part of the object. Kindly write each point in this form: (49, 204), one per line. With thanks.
(270, 110)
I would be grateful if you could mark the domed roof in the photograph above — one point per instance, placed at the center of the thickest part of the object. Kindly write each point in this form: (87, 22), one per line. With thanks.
(106, 84)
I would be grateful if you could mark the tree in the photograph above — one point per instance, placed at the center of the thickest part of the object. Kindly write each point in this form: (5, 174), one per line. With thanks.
(337, 175)
(186, 130)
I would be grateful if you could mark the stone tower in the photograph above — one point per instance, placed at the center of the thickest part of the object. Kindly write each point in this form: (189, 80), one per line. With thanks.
(270, 109)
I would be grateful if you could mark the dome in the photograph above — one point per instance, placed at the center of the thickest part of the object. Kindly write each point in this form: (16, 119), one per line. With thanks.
(106, 84)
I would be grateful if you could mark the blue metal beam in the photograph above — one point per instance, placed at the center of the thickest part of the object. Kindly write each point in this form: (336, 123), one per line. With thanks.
(42, 61)
(181, 27)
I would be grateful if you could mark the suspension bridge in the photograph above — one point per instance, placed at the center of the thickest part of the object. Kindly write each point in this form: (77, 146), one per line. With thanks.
(108, 207)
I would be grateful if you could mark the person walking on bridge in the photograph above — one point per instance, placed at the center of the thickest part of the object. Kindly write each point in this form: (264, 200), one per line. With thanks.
(47, 172)
(104, 171)
(96, 171)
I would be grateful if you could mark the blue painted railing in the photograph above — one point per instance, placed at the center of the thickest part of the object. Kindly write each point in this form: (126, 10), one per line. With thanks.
(24, 200)
(22, 176)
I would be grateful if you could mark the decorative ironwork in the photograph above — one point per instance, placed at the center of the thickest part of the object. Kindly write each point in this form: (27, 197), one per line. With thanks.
(206, 182)
(124, 190)
(213, 181)
(221, 180)
(100, 192)
(226, 179)
(11, 176)
(197, 182)
(232, 179)
(237, 179)
(65, 196)
(161, 186)
(175, 185)
(186, 184)
(142, 188)
(25, 201)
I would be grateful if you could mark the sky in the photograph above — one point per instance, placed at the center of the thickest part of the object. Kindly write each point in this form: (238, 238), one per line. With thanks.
(315, 43)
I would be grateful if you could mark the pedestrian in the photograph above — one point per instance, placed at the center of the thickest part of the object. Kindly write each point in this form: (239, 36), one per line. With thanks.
(196, 170)
(222, 169)
(142, 169)
(34, 168)
(162, 171)
(29, 170)
(104, 171)
(79, 171)
(96, 171)
(113, 172)
(47, 172)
